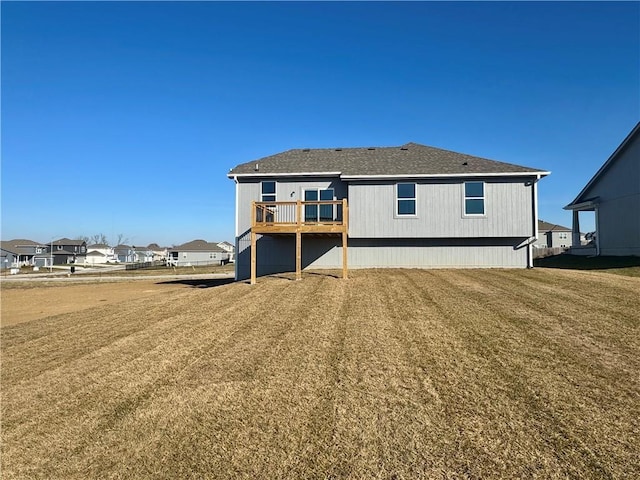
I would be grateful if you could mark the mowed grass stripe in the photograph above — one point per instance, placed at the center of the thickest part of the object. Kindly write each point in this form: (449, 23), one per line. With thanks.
(552, 356)
(394, 373)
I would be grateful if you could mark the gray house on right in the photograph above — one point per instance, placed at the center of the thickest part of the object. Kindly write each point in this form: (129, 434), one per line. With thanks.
(614, 195)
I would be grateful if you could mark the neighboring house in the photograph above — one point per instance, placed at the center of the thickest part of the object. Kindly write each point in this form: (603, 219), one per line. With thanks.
(22, 252)
(8, 258)
(407, 206)
(197, 252)
(142, 254)
(67, 251)
(100, 253)
(614, 195)
(124, 253)
(229, 248)
(159, 253)
(552, 236)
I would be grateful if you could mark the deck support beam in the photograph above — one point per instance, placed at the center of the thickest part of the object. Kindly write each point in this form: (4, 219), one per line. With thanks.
(298, 255)
(273, 218)
(253, 257)
(344, 255)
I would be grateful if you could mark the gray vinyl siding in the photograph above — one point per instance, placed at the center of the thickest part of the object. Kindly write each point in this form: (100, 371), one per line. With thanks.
(201, 258)
(440, 211)
(619, 226)
(276, 254)
(439, 237)
(286, 191)
(619, 204)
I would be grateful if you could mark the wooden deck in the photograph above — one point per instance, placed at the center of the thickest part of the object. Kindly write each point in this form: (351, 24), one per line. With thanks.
(327, 217)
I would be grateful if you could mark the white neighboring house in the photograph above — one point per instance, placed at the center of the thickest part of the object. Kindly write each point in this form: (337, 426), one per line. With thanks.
(142, 254)
(613, 194)
(100, 253)
(229, 248)
(551, 235)
(124, 253)
(197, 252)
(159, 253)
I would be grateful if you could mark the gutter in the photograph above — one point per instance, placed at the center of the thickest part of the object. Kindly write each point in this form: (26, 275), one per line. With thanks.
(537, 175)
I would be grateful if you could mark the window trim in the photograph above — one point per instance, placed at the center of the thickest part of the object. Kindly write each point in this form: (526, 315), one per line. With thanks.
(471, 197)
(274, 194)
(397, 213)
(318, 190)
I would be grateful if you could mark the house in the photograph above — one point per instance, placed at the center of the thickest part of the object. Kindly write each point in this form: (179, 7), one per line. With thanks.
(159, 253)
(124, 253)
(551, 235)
(100, 253)
(407, 206)
(227, 247)
(22, 252)
(614, 195)
(67, 251)
(196, 252)
(142, 254)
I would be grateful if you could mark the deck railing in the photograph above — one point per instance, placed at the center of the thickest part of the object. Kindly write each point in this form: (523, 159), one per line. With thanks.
(323, 212)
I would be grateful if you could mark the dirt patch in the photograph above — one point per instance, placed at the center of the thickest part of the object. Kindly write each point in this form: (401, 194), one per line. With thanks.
(25, 304)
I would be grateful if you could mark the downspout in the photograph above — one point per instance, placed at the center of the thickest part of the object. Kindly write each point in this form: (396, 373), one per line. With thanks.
(534, 236)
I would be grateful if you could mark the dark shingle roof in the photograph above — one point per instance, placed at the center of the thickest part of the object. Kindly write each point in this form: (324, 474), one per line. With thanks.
(68, 241)
(407, 160)
(197, 246)
(551, 227)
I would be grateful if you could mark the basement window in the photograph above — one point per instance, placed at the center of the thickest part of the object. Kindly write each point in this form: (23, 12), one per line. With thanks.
(405, 199)
(474, 198)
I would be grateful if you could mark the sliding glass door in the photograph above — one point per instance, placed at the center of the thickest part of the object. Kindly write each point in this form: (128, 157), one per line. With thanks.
(319, 213)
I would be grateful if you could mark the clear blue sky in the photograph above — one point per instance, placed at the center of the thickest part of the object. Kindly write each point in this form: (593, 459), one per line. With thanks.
(123, 117)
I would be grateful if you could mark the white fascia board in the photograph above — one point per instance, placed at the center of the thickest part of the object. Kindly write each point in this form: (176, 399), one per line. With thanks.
(583, 205)
(291, 174)
(445, 175)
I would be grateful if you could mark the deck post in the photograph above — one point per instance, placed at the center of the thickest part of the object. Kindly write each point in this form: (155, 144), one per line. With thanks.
(345, 226)
(344, 254)
(253, 257)
(253, 243)
(298, 255)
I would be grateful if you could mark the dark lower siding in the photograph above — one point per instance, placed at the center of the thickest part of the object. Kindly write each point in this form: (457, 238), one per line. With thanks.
(277, 254)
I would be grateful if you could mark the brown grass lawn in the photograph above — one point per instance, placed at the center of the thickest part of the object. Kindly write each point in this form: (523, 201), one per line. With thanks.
(399, 374)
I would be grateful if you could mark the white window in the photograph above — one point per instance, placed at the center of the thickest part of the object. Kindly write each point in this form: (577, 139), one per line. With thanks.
(319, 212)
(406, 199)
(474, 198)
(268, 191)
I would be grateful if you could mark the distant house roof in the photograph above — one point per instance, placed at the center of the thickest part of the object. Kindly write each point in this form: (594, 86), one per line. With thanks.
(584, 197)
(19, 246)
(23, 242)
(155, 246)
(197, 246)
(95, 253)
(409, 160)
(10, 247)
(98, 245)
(68, 241)
(551, 227)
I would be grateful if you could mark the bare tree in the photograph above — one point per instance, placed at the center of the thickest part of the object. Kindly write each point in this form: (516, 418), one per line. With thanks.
(84, 238)
(122, 240)
(99, 238)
